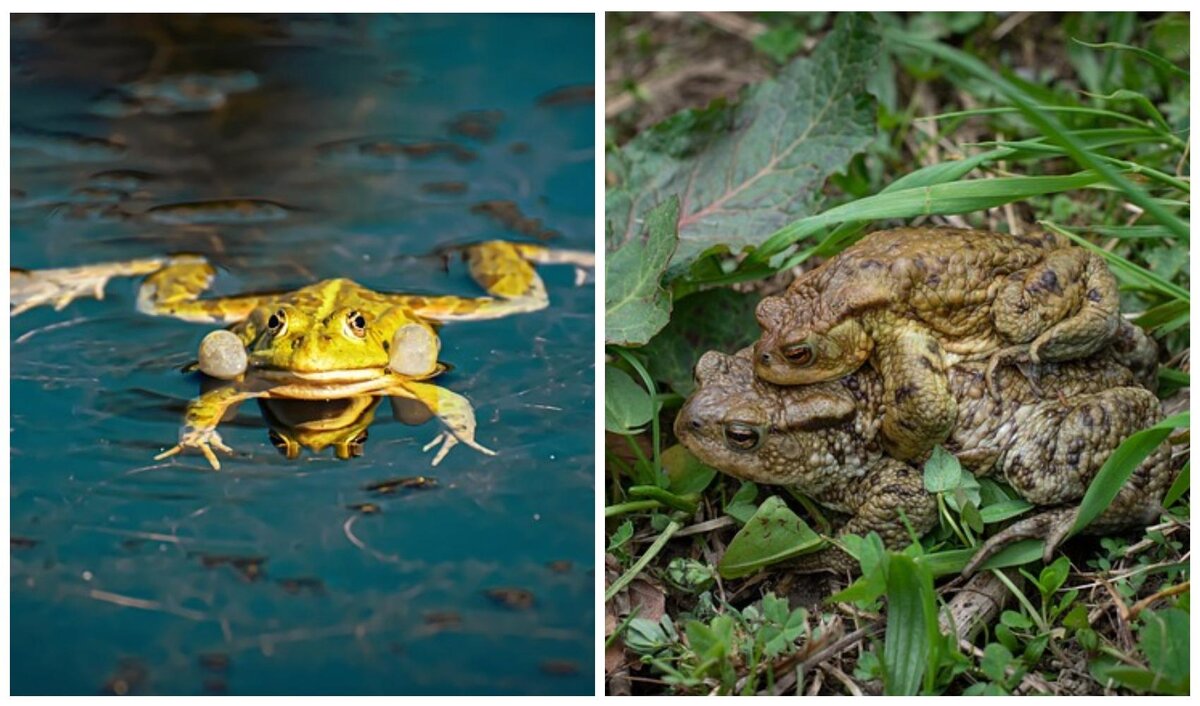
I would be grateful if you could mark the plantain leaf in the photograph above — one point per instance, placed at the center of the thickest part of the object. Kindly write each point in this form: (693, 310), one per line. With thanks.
(760, 164)
(635, 304)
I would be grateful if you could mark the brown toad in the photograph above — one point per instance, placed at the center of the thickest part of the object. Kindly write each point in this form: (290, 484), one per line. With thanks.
(914, 301)
(824, 440)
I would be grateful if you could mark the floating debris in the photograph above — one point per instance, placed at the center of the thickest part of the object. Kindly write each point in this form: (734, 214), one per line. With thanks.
(219, 211)
(449, 188)
(214, 662)
(580, 94)
(250, 567)
(559, 667)
(215, 685)
(443, 619)
(519, 148)
(88, 213)
(385, 152)
(99, 194)
(167, 95)
(365, 508)
(66, 145)
(129, 676)
(390, 486)
(296, 586)
(509, 215)
(561, 566)
(124, 179)
(514, 598)
(478, 125)
(15, 542)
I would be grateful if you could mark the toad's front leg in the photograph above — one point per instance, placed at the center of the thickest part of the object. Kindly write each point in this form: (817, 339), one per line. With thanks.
(920, 409)
(452, 409)
(204, 413)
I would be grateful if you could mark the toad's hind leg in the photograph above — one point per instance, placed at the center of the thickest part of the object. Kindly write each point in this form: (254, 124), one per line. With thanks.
(1065, 308)
(505, 271)
(175, 289)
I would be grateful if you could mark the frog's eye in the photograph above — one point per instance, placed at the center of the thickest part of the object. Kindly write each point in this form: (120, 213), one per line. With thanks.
(277, 324)
(742, 437)
(356, 324)
(798, 353)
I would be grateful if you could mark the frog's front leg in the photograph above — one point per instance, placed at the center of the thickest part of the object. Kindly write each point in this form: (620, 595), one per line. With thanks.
(61, 286)
(452, 409)
(920, 409)
(199, 430)
(505, 271)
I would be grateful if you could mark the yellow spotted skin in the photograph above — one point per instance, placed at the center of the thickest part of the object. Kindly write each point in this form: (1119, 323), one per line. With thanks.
(329, 340)
(825, 440)
(912, 301)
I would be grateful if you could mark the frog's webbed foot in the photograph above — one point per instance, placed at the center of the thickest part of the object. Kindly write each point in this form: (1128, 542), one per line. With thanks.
(204, 439)
(449, 441)
(451, 409)
(1053, 526)
(1022, 358)
(59, 287)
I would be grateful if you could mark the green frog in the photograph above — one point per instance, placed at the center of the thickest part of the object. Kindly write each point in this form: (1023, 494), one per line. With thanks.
(332, 340)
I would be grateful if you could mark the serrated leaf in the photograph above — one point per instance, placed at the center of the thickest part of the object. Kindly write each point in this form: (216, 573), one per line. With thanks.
(774, 534)
(711, 320)
(635, 304)
(787, 135)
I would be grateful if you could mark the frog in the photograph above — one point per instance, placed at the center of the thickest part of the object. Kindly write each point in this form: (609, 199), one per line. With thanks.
(912, 302)
(333, 339)
(824, 439)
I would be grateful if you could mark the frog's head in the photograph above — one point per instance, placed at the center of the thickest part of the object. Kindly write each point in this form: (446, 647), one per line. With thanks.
(754, 430)
(797, 348)
(306, 342)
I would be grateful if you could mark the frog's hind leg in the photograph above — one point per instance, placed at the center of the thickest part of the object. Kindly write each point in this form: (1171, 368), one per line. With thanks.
(59, 287)
(174, 290)
(506, 272)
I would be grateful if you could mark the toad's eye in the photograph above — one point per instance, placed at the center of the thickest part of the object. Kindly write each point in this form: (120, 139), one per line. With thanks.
(742, 437)
(277, 324)
(798, 353)
(356, 324)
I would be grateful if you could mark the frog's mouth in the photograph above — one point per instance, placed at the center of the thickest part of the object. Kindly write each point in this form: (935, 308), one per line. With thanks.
(323, 377)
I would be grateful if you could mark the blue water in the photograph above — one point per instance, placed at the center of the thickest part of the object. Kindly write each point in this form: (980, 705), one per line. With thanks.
(168, 578)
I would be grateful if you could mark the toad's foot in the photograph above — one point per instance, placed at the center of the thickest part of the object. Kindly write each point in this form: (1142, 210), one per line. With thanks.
(1023, 359)
(1053, 526)
(449, 441)
(60, 287)
(203, 439)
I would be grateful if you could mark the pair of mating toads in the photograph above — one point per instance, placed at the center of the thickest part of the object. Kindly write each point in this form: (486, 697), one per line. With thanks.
(1009, 351)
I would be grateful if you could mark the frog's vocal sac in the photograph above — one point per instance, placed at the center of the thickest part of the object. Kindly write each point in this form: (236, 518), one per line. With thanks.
(332, 340)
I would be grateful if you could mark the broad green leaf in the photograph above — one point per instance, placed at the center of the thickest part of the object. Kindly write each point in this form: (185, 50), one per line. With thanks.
(907, 645)
(1163, 638)
(687, 473)
(786, 136)
(627, 405)
(996, 659)
(741, 506)
(711, 320)
(635, 304)
(1003, 510)
(1120, 465)
(942, 471)
(774, 534)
